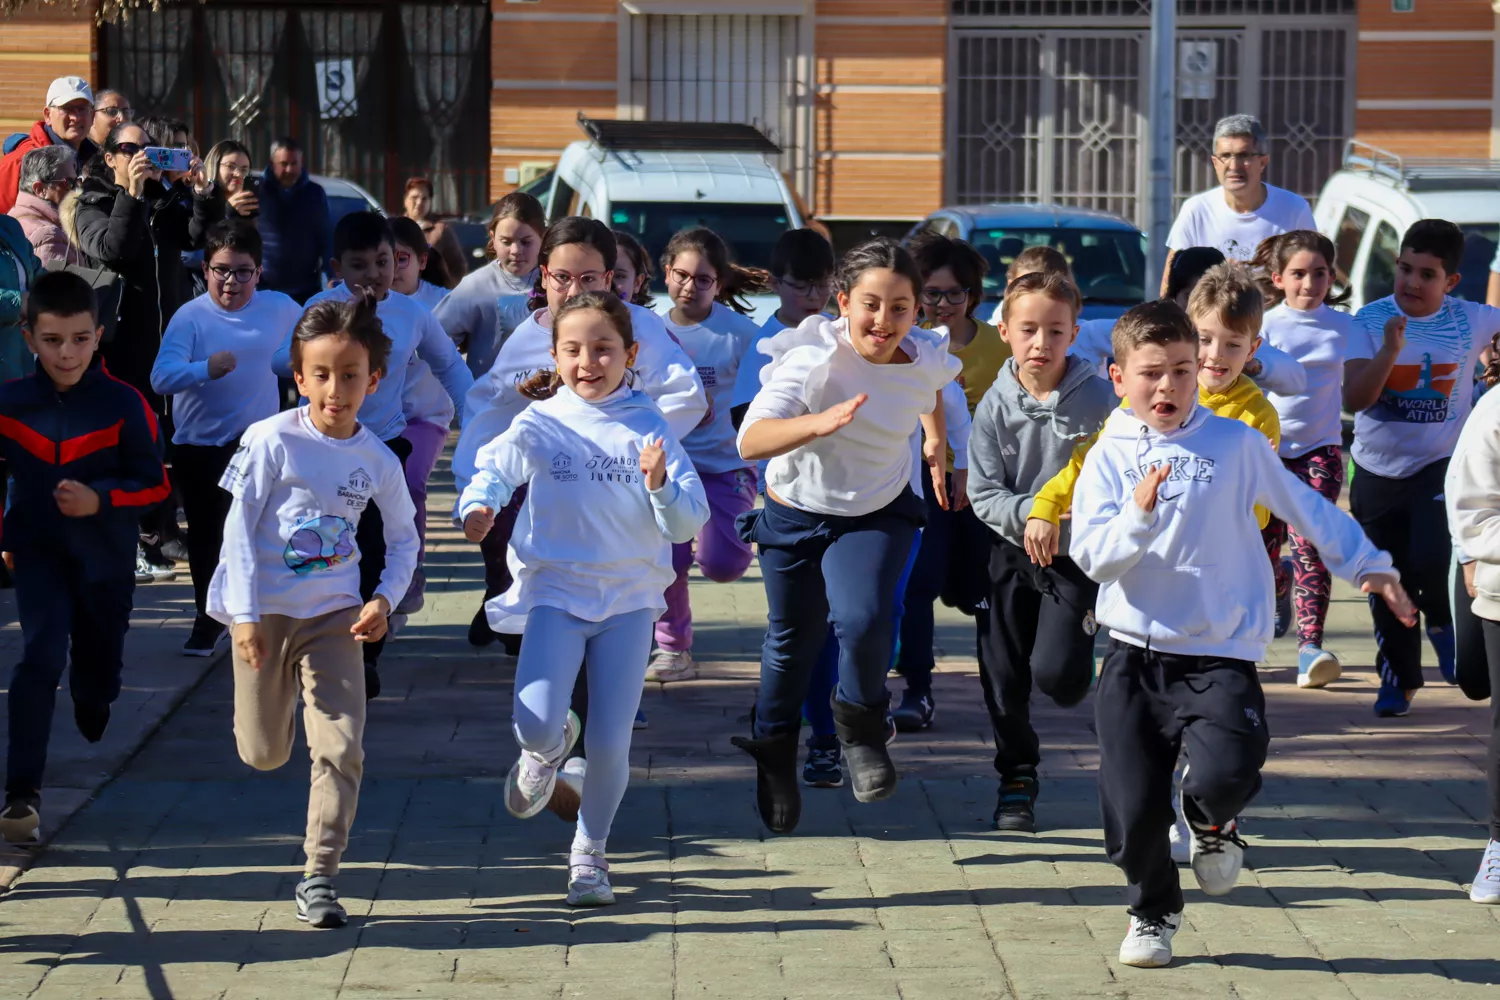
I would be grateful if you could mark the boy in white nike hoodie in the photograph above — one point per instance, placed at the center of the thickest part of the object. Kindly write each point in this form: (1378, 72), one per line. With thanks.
(1164, 520)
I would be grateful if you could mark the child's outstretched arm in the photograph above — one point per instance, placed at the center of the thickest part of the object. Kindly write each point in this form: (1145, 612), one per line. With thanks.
(435, 347)
(766, 437)
(502, 466)
(1277, 371)
(678, 500)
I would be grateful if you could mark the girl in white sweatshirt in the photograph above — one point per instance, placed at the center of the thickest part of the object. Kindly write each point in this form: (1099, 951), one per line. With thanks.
(707, 316)
(577, 255)
(834, 414)
(611, 490)
(469, 313)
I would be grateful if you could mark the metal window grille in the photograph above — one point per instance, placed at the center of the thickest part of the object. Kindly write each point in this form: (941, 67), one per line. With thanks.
(1142, 8)
(998, 107)
(1304, 87)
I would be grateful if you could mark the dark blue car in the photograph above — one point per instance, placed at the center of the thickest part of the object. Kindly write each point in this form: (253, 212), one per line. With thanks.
(1108, 254)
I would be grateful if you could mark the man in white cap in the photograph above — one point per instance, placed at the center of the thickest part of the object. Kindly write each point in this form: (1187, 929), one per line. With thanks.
(66, 119)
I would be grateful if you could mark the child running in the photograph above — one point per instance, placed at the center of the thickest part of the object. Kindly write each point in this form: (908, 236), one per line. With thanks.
(707, 318)
(1165, 523)
(215, 363)
(287, 583)
(1039, 626)
(834, 416)
(1299, 265)
(470, 314)
(413, 260)
(83, 456)
(610, 488)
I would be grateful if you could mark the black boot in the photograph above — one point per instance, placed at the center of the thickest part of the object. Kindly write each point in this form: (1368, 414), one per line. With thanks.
(776, 792)
(863, 731)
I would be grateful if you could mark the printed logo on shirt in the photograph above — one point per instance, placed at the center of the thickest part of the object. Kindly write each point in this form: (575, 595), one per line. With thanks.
(614, 469)
(709, 375)
(1008, 450)
(1253, 716)
(356, 493)
(1235, 250)
(1417, 394)
(319, 544)
(562, 468)
(1185, 469)
(1090, 623)
(235, 473)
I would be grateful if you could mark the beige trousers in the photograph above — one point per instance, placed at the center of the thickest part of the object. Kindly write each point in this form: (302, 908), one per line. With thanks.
(318, 658)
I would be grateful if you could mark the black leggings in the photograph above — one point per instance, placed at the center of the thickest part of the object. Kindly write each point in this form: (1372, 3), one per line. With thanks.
(1492, 650)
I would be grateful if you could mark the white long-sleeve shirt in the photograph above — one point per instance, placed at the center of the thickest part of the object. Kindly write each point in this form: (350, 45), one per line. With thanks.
(412, 330)
(289, 542)
(1191, 577)
(1317, 340)
(866, 464)
(1472, 494)
(1279, 371)
(662, 370)
(716, 346)
(591, 539)
(216, 411)
(469, 312)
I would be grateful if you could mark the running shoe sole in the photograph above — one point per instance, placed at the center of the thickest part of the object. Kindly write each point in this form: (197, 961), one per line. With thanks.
(571, 729)
(1321, 672)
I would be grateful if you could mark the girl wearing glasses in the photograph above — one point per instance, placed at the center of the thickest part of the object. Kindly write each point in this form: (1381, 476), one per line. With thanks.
(215, 362)
(577, 255)
(707, 316)
(227, 170)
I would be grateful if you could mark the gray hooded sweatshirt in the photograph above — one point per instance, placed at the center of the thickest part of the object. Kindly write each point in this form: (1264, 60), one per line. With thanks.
(1019, 442)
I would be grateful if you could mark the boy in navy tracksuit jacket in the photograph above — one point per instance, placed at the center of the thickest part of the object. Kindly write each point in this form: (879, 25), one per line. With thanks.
(83, 450)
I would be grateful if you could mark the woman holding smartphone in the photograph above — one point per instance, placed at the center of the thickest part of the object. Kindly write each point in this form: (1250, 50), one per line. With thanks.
(231, 188)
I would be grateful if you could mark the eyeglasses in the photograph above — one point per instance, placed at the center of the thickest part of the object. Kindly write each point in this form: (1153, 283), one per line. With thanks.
(67, 182)
(403, 260)
(242, 275)
(952, 296)
(236, 171)
(116, 112)
(589, 281)
(1237, 159)
(702, 282)
(805, 288)
(128, 148)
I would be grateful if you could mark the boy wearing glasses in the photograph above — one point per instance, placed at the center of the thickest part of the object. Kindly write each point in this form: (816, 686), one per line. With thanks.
(215, 360)
(1165, 523)
(1244, 210)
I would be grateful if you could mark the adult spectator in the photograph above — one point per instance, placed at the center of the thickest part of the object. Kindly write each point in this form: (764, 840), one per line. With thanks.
(111, 108)
(226, 170)
(294, 225)
(1234, 217)
(47, 175)
(19, 267)
(66, 120)
(417, 206)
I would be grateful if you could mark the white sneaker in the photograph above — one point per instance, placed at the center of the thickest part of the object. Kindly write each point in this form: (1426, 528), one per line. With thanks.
(147, 571)
(1486, 887)
(529, 785)
(567, 795)
(21, 820)
(588, 881)
(1218, 854)
(1148, 943)
(668, 666)
(1181, 836)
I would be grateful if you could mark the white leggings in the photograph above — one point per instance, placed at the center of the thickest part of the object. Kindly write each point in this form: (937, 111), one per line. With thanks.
(615, 651)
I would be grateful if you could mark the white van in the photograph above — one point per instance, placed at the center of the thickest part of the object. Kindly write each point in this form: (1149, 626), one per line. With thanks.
(653, 179)
(1367, 206)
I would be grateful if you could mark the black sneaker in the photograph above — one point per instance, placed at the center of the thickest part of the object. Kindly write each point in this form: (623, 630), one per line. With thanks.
(205, 638)
(372, 682)
(915, 711)
(1016, 810)
(175, 549)
(479, 629)
(92, 719)
(21, 819)
(824, 767)
(318, 903)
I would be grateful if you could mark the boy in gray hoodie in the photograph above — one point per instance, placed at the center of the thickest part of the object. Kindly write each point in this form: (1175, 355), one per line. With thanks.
(1039, 625)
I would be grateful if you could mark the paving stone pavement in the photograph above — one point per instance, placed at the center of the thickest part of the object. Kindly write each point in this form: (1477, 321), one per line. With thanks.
(176, 880)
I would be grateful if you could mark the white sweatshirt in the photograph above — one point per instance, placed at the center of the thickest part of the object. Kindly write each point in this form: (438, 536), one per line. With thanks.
(429, 296)
(662, 370)
(716, 346)
(411, 329)
(1191, 577)
(1316, 339)
(289, 545)
(425, 400)
(216, 411)
(1472, 494)
(468, 313)
(591, 539)
(866, 464)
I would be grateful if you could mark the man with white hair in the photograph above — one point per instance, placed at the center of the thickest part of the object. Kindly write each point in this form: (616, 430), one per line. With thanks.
(48, 173)
(66, 119)
(1244, 210)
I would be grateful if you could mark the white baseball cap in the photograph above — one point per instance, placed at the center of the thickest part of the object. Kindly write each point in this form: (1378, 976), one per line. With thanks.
(69, 88)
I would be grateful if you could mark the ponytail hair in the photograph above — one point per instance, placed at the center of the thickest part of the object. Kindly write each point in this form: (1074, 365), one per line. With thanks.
(355, 319)
(641, 261)
(570, 231)
(543, 384)
(1276, 252)
(735, 281)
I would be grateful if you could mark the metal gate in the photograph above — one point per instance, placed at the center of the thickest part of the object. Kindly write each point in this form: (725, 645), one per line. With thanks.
(754, 69)
(1056, 114)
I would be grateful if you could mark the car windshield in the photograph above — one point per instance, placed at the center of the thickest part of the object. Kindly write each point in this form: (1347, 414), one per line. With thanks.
(1480, 239)
(751, 230)
(1108, 264)
(342, 205)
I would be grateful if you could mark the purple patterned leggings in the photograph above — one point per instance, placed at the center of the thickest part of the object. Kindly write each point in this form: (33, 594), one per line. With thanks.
(1323, 470)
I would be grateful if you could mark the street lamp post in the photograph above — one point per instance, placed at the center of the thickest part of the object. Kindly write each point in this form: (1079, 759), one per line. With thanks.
(1163, 141)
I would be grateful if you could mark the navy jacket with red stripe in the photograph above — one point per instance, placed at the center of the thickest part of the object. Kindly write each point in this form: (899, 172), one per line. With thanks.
(100, 433)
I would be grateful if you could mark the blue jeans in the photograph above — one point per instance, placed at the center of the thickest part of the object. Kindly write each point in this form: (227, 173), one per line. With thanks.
(819, 568)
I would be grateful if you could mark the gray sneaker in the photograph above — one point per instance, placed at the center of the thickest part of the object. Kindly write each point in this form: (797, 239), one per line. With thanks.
(588, 881)
(318, 903)
(532, 778)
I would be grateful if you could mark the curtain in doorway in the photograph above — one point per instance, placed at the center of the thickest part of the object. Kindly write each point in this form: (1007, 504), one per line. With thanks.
(440, 44)
(153, 43)
(350, 35)
(245, 43)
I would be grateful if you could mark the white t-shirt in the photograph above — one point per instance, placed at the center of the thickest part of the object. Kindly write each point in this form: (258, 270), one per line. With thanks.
(1206, 220)
(716, 346)
(1422, 408)
(866, 464)
(289, 541)
(1318, 340)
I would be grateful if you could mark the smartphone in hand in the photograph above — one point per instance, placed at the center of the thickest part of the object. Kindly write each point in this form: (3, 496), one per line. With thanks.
(167, 159)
